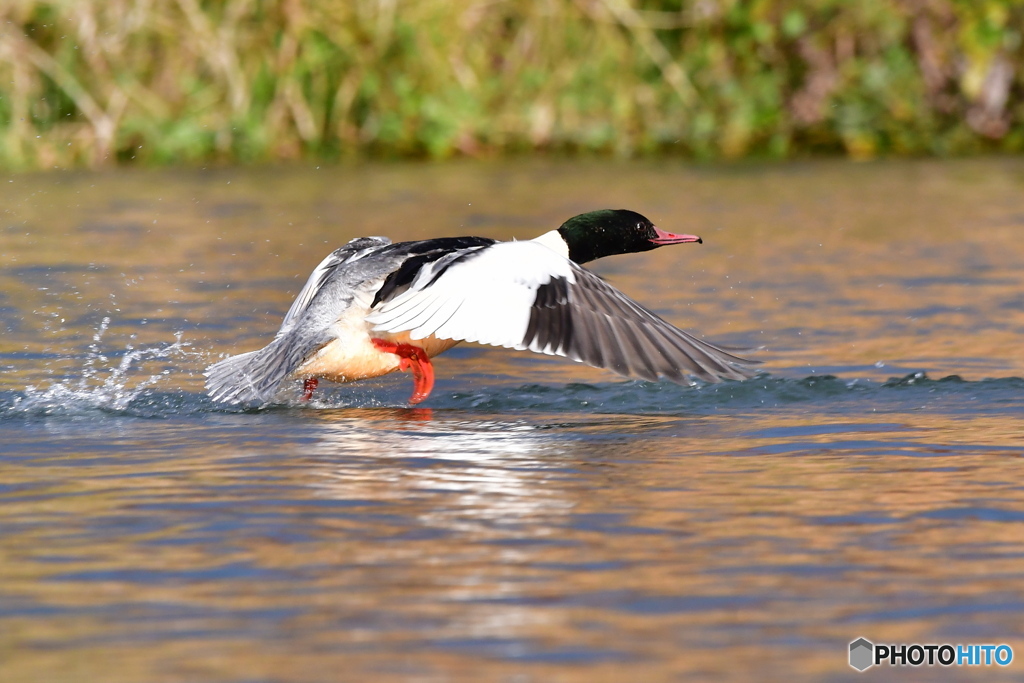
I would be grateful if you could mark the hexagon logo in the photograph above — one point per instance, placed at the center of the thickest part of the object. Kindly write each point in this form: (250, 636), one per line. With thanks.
(862, 654)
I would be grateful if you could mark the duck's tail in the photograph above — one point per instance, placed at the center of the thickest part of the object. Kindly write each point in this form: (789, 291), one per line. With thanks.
(254, 377)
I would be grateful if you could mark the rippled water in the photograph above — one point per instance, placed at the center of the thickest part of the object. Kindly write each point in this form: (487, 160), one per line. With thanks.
(535, 519)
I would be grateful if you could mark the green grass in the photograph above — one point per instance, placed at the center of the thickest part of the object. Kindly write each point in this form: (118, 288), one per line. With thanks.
(91, 82)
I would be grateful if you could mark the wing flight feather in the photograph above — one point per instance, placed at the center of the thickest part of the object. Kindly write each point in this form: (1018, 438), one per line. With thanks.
(522, 295)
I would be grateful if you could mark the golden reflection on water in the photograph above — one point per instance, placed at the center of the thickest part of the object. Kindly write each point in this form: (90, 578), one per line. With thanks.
(342, 543)
(378, 540)
(825, 264)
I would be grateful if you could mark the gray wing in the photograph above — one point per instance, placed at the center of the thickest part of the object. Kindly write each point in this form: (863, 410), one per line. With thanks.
(256, 377)
(592, 322)
(353, 251)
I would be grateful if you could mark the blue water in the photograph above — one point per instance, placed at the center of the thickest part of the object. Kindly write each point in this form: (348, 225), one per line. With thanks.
(826, 394)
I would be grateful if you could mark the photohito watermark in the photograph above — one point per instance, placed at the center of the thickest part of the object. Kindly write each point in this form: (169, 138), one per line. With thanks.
(865, 654)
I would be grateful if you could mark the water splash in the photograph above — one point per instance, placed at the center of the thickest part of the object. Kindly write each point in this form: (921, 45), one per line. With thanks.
(103, 387)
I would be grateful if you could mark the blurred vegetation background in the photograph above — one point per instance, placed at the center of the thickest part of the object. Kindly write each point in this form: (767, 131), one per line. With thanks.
(92, 82)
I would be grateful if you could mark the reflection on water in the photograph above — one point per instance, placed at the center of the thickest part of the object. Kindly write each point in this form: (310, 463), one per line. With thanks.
(539, 520)
(398, 542)
(500, 470)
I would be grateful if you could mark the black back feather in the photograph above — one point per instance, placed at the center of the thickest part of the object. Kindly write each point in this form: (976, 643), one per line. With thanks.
(423, 253)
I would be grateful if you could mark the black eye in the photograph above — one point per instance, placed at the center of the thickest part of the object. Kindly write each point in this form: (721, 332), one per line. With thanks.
(639, 226)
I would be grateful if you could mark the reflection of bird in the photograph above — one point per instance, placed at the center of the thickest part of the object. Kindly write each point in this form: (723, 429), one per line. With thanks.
(373, 307)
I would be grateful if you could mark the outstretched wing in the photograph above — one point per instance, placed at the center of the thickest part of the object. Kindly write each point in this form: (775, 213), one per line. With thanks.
(257, 376)
(352, 251)
(522, 295)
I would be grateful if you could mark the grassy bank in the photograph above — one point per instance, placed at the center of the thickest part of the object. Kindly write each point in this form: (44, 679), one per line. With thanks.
(89, 82)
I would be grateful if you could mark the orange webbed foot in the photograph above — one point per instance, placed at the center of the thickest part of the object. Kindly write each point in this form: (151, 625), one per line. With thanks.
(415, 359)
(308, 387)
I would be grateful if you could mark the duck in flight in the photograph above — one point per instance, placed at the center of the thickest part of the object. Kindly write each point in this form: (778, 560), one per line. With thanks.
(373, 307)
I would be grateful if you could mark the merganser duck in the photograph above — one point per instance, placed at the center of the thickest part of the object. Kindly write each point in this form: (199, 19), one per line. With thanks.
(373, 307)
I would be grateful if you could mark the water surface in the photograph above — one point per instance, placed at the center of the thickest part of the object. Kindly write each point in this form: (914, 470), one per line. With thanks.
(535, 519)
